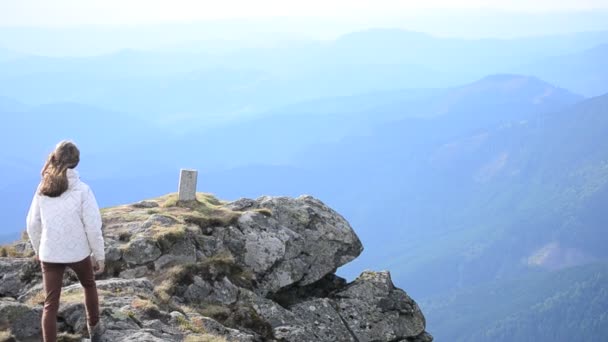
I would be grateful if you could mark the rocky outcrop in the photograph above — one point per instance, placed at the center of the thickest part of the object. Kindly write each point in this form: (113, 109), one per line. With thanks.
(248, 270)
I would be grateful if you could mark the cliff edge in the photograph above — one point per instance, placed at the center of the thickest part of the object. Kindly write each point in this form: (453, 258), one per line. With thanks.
(210, 270)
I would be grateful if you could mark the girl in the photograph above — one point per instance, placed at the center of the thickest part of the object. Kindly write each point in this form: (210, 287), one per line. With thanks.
(64, 226)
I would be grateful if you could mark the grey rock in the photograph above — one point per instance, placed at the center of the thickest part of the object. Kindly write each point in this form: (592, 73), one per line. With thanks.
(74, 315)
(214, 328)
(159, 220)
(145, 204)
(176, 317)
(269, 275)
(112, 253)
(182, 252)
(322, 317)
(141, 251)
(18, 275)
(133, 273)
(242, 204)
(24, 248)
(22, 320)
(285, 325)
(375, 310)
(137, 335)
(424, 337)
(301, 242)
(141, 286)
(216, 292)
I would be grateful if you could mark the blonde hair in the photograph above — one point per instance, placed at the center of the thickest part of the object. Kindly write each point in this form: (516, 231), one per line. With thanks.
(54, 173)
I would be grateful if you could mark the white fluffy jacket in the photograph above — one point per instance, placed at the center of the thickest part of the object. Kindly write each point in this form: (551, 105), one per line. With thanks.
(67, 228)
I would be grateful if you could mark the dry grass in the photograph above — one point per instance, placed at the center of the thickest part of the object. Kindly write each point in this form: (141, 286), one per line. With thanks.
(65, 337)
(211, 269)
(76, 296)
(264, 211)
(166, 237)
(205, 338)
(195, 325)
(147, 307)
(143, 304)
(6, 336)
(10, 252)
(216, 218)
(203, 202)
(218, 312)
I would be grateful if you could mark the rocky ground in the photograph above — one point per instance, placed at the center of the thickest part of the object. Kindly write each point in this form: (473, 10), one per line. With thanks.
(208, 270)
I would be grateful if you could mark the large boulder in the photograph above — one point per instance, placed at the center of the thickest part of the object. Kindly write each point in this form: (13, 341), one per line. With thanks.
(249, 270)
(141, 251)
(299, 243)
(23, 321)
(368, 309)
(17, 275)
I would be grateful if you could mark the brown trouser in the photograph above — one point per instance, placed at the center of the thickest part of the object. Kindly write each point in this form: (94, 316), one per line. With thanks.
(52, 275)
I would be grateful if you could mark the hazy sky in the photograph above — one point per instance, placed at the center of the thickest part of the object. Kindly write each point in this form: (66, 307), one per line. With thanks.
(88, 27)
(113, 12)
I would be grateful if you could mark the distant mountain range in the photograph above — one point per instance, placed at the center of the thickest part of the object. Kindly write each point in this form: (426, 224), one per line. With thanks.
(244, 82)
(586, 71)
(484, 185)
(566, 305)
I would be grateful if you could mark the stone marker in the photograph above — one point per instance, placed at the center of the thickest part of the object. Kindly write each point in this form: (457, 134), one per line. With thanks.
(187, 185)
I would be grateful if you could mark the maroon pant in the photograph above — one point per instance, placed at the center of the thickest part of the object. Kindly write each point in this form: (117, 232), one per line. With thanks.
(52, 275)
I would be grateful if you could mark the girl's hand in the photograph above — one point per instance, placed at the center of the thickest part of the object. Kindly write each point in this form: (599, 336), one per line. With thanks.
(98, 266)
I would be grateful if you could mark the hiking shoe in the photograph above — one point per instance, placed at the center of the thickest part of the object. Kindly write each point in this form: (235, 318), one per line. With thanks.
(96, 331)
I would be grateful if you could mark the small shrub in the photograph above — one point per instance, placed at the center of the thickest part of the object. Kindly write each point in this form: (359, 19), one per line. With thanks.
(195, 327)
(113, 268)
